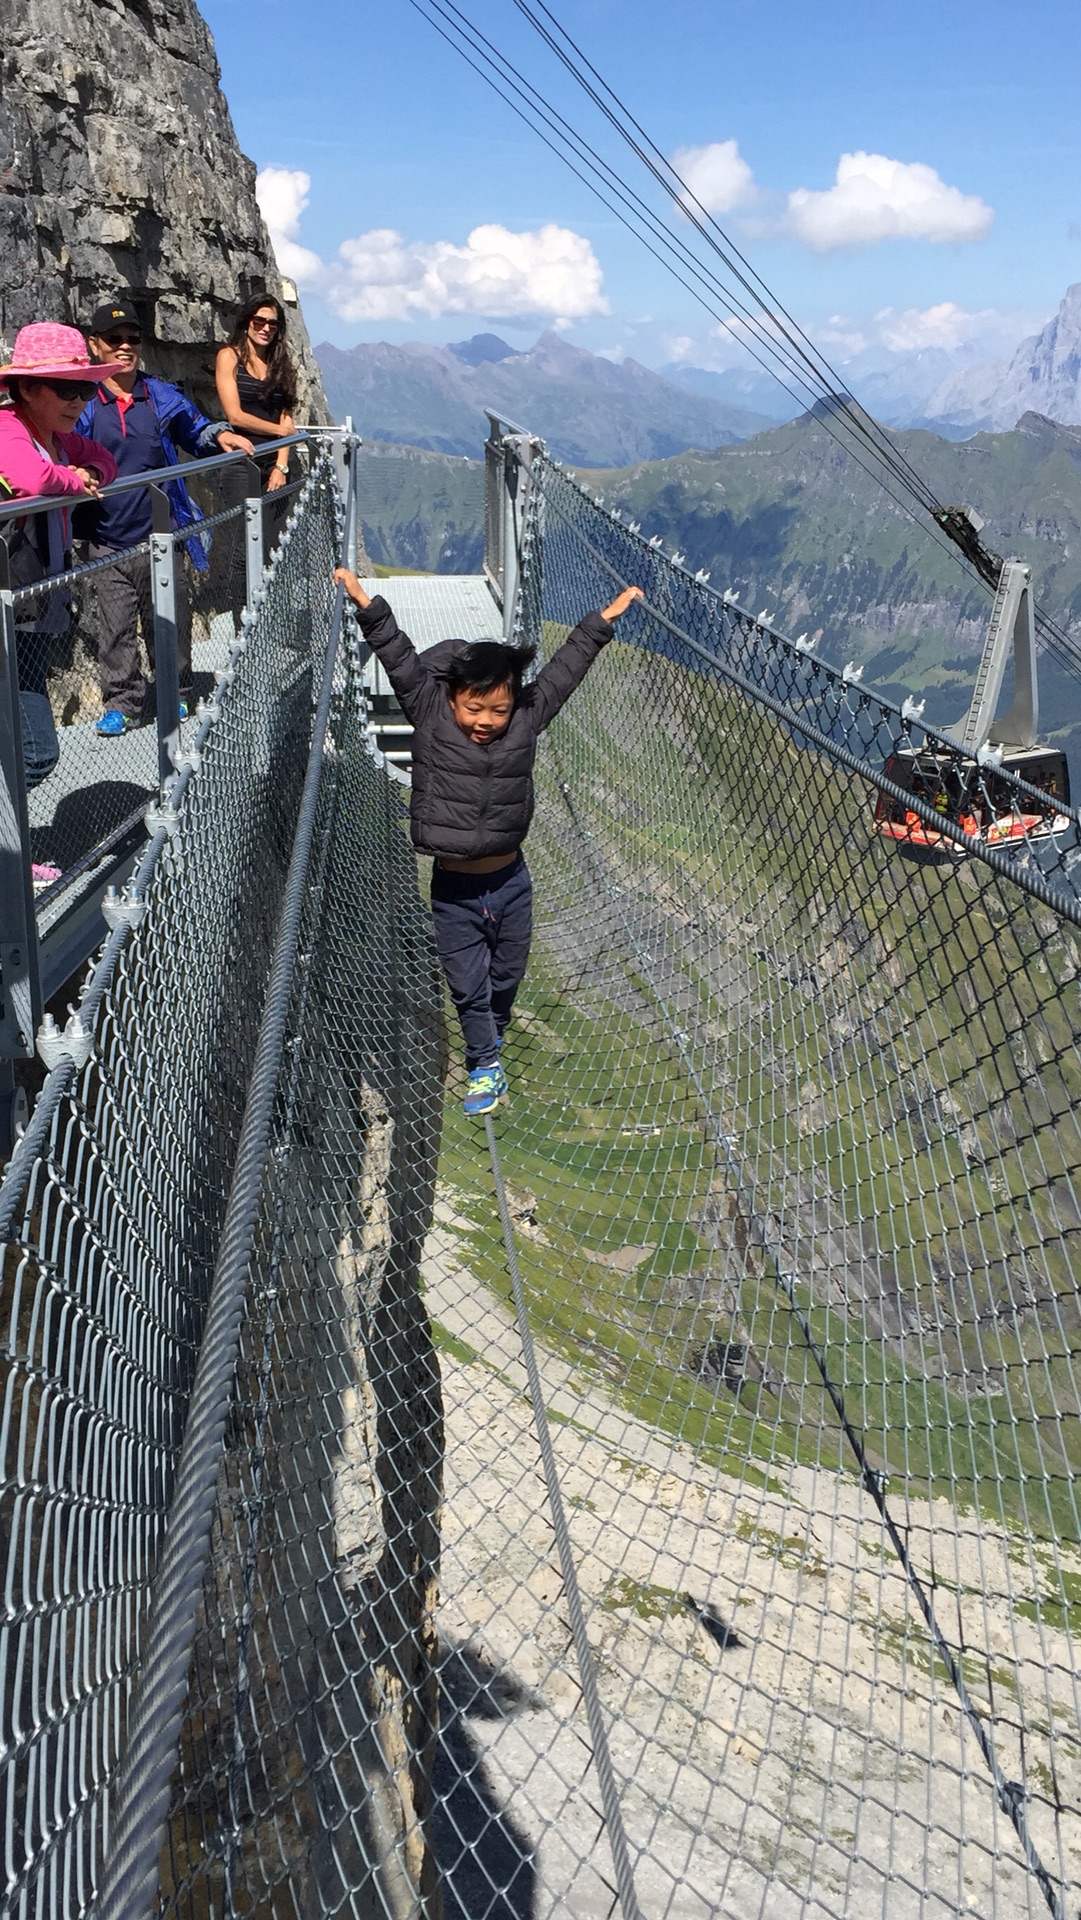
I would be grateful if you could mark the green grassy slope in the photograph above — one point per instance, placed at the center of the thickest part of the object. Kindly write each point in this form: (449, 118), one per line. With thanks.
(893, 1052)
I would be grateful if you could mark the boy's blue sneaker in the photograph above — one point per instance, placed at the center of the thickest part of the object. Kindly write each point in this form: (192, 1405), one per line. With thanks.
(486, 1088)
(113, 723)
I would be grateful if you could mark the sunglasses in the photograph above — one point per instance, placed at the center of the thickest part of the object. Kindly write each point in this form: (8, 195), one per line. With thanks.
(72, 389)
(123, 339)
(264, 326)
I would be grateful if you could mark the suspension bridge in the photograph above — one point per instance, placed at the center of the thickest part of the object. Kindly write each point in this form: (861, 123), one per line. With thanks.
(662, 1501)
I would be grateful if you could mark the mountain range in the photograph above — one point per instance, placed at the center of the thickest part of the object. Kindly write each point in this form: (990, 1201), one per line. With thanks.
(596, 411)
(587, 407)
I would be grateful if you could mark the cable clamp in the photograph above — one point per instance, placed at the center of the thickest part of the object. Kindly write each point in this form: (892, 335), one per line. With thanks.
(634, 526)
(76, 1043)
(702, 576)
(678, 559)
(912, 709)
(656, 541)
(224, 677)
(183, 757)
(989, 756)
(162, 817)
(804, 645)
(123, 909)
(851, 674)
(728, 596)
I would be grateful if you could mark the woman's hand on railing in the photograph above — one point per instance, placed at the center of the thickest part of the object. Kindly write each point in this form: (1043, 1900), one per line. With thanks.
(621, 602)
(91, 480)
(343, 577)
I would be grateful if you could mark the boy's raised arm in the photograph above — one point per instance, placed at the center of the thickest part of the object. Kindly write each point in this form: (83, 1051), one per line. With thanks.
(571, 662)
(385, 637)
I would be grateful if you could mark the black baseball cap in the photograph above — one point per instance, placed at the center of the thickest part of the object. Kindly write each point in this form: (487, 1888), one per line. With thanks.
(113, 313)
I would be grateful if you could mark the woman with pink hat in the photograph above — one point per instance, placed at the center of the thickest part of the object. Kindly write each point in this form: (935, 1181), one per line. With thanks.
(49, 379)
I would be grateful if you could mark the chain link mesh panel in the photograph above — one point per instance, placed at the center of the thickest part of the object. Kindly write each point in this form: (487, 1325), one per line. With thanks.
(790, 1162)
(114, 1237)
(792, 1149)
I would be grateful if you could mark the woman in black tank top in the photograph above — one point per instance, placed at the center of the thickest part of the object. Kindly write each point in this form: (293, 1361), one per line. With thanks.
(255, 379)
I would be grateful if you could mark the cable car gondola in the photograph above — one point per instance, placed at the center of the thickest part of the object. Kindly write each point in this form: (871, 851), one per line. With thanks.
(974, 784)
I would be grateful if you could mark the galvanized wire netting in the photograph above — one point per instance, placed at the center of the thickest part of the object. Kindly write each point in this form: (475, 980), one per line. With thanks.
(793, 1149)
(791, 1160)
(112, 1237)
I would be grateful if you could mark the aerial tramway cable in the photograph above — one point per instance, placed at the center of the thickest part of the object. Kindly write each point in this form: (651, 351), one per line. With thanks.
(780, 346)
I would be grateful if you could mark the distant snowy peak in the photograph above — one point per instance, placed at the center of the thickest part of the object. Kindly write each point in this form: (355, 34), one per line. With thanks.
(1044, 376)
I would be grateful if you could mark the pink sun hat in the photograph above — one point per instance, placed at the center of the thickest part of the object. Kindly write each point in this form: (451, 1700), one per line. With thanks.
(47, 351)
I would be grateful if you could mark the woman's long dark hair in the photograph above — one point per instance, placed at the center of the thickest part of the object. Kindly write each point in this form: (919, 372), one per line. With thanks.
(280, 370)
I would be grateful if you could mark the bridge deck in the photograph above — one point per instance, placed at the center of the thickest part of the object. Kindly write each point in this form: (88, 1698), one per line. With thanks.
(437, 606)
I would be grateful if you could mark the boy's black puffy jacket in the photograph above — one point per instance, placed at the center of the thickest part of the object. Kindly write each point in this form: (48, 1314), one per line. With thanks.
(468, 800)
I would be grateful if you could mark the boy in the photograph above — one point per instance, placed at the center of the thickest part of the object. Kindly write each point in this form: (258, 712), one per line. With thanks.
(474, 743)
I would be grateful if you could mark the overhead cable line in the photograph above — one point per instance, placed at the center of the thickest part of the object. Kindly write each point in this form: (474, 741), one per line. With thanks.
(791, 357)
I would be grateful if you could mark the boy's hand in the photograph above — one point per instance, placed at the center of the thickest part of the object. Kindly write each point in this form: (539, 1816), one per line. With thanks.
(621, 602)
(352, 586)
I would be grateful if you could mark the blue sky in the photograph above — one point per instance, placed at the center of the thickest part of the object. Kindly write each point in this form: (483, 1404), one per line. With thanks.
(970, 117)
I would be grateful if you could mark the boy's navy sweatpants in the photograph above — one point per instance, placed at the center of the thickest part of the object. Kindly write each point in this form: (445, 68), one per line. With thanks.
(483, 923)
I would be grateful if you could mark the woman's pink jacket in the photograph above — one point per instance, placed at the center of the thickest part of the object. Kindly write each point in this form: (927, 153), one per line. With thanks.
(28, 471)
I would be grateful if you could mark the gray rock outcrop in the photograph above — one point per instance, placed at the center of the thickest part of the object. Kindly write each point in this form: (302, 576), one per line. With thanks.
(120, 171)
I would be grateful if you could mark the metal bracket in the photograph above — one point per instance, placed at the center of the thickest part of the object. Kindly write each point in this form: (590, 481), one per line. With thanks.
(1012, 626)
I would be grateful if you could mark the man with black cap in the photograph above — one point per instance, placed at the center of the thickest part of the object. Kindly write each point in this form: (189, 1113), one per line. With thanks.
(142, 422)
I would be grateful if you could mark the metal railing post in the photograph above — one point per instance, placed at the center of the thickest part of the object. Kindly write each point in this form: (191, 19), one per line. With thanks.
(164, 561)
(517, 454)
(20, 981)
(351, 447)
(254, 557)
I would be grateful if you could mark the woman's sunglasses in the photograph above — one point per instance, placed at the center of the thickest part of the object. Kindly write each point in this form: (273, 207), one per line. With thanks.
(264, 326)
(72, 389)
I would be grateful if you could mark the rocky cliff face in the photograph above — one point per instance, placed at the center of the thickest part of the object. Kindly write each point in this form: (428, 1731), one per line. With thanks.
(120, 171)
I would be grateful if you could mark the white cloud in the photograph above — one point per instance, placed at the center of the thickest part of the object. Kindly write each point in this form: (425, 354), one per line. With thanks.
(875, 198)
(282, 194)
(842, 337)
(380, 276)
(910, 329)
(717, 176)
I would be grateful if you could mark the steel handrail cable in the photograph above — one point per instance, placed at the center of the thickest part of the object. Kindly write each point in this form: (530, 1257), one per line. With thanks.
(602, 1757)
(142, 1793)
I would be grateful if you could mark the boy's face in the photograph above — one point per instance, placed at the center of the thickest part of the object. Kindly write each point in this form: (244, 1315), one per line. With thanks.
(483, 716)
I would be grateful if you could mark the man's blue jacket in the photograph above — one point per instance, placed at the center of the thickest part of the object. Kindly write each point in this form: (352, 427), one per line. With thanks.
(148, 436)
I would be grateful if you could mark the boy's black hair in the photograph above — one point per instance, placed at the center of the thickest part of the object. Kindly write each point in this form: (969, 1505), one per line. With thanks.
(483, 665)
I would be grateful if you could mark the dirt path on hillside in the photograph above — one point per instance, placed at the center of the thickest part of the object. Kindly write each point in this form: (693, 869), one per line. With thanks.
(814, 1765)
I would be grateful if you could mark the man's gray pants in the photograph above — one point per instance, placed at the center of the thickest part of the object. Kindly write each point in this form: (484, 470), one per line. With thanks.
(123, 599)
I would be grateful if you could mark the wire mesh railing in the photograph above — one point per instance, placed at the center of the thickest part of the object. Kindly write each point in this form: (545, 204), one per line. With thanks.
(793, 1148)
(782, 1244)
